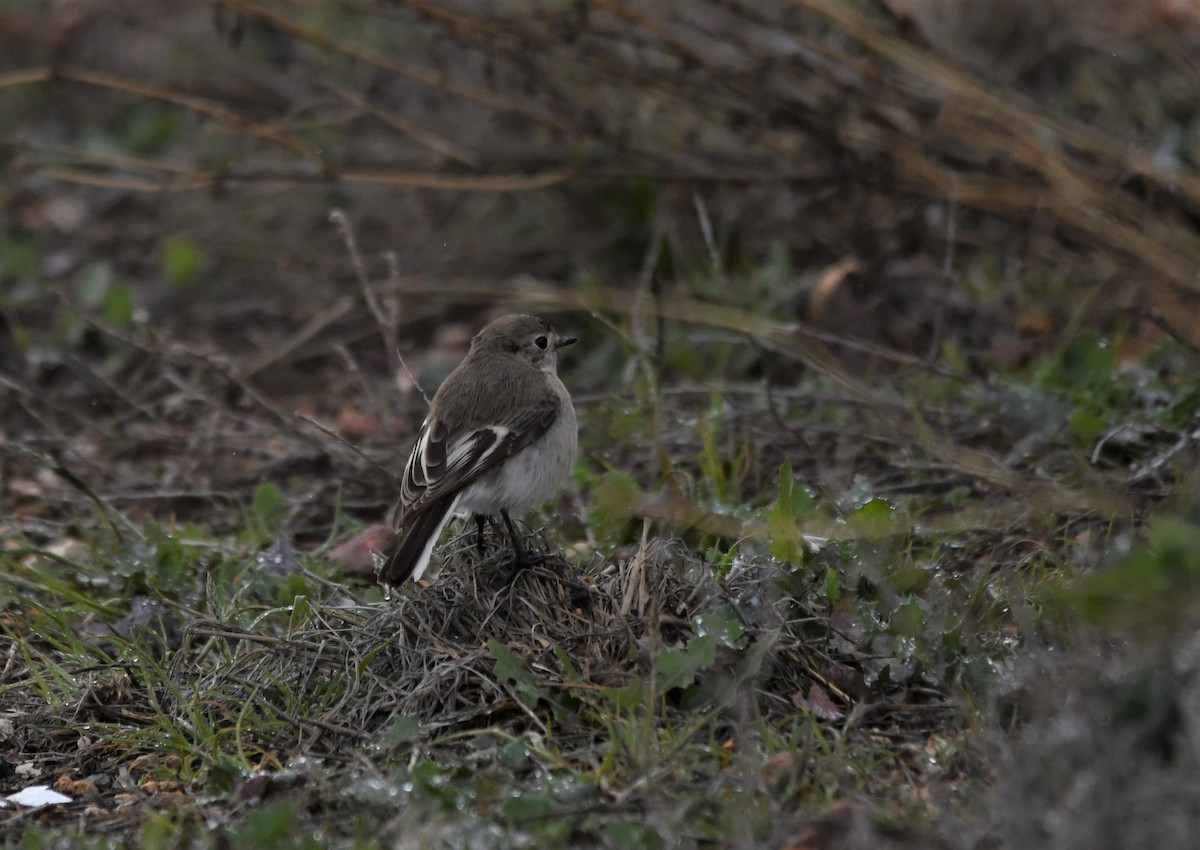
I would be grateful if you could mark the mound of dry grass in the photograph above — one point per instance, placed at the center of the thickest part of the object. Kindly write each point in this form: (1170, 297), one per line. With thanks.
(430, 654)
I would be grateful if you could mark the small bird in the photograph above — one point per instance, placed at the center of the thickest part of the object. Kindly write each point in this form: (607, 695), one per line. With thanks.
(500, 437)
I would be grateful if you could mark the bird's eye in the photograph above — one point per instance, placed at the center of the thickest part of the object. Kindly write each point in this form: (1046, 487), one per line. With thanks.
(542, 342)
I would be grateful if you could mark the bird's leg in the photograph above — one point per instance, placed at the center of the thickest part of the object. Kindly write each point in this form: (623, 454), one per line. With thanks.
(480, 520)
(522, 557)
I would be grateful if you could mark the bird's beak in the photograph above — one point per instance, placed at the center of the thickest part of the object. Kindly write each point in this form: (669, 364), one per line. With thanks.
(564, 341)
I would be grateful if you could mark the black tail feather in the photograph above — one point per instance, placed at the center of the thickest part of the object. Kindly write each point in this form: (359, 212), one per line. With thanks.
(413, 541)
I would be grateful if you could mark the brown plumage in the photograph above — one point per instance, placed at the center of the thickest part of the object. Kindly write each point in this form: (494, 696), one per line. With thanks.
(500, 436)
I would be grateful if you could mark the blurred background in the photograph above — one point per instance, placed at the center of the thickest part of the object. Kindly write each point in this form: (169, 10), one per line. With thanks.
(917, 173)
(901, 182)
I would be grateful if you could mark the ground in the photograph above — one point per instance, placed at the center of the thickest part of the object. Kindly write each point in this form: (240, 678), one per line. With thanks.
(883, 531)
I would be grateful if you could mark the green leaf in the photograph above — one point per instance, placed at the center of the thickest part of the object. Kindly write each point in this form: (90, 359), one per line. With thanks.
(793, 501)
(613, 501)
(627, 696)
(92, 285)
(160, 831)
(833, 586)
(1184, 406)
(908, 619)
(1087, 425)
(723, 683)
(785, 539)
(724, 624)
(270, 507)
(528, 806)
(874, 519)
(224, 775)
(678, 669)
(275, 825)
(18, 259)
(629, 833)
(118, 306)
(514, 755)
(402, 730)
(616, 493)
(149, 127)
(511, 668)
(301, 613)
(1087, 362)
(1152, 589)
(570, 673)
(181, 259)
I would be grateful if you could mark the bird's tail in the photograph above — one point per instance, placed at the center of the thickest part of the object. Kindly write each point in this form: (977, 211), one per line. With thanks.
(418, 531)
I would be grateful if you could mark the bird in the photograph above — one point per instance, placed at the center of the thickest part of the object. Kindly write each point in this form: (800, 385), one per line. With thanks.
(500, 438)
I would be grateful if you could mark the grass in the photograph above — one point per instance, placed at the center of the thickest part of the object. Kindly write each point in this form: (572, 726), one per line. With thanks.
(694, 689)
(785, 616)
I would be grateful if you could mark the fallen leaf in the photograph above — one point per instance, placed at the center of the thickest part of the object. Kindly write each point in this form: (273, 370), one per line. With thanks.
(355, 425)
(818, 704)
(159, 786)
(779, 768)
(846, 679)
(74, 787)
(827, 285)
(354, 556)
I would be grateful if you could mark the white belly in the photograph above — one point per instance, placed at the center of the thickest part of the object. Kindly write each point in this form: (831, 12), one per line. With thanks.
(529, 478)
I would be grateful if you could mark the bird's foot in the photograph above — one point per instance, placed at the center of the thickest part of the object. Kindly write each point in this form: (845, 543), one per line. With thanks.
(525, 558)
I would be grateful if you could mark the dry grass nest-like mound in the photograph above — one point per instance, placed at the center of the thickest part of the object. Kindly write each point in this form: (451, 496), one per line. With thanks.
(485, 641)
(435, 645)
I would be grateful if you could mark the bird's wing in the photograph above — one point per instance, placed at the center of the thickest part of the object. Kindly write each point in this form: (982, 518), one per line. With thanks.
(444, 460)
